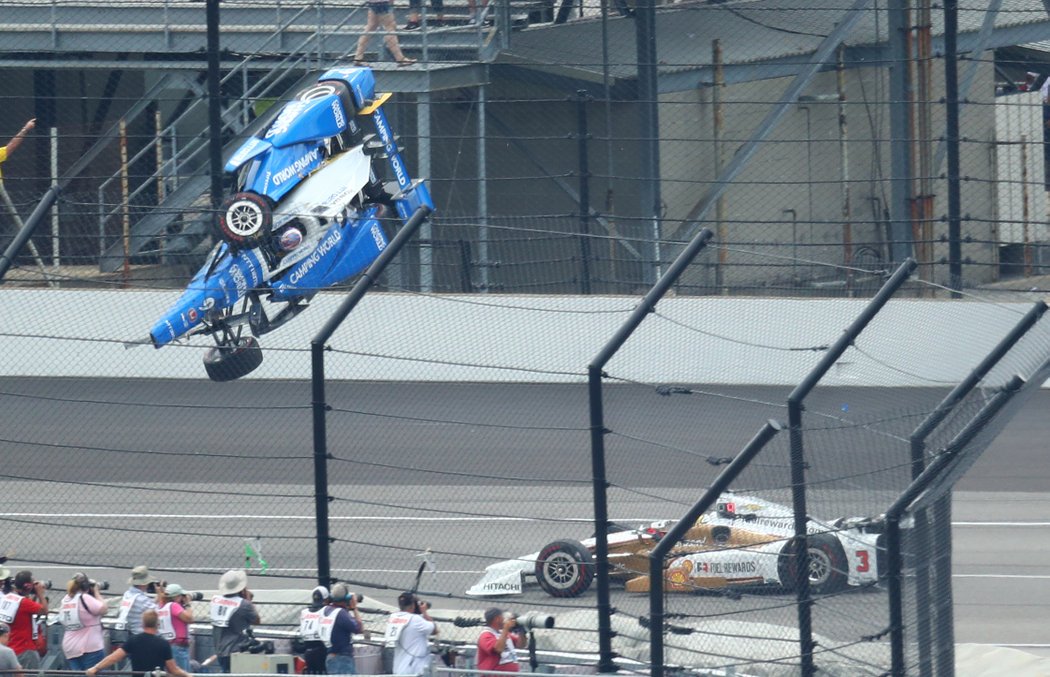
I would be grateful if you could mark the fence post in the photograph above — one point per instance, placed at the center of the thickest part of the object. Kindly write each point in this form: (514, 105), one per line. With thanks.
(317, 348)
(597, 419)
(917, 442)
(582, 139)
(798, 472)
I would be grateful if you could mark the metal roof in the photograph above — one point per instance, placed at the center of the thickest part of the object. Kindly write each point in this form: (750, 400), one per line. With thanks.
(759, 38)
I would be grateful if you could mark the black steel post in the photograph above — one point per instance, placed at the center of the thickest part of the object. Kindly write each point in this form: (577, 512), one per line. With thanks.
(901, 136)
(893, 514)
(917, 441)
(214, 104)
(597, 420)
(951, 131)
(324, 563)
(28, 226)
(582, 143)
(466, 284)
(678, 531)
(601, 519)
(800, 551)
(649, 124)
(798, 472)
(317, 348)
(944, 659)
(894, 565)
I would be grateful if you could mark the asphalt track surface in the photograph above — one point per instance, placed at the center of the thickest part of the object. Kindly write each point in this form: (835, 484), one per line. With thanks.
(1001, 510)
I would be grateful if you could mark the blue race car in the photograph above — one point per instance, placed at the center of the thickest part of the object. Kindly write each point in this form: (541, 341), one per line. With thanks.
(307, 213)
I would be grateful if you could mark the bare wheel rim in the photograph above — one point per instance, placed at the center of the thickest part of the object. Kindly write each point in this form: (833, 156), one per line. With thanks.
(819, 566)
(244, 218)
(561, 570)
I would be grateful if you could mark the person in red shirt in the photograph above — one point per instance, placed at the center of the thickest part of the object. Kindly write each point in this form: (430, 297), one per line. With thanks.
(18, 610)
(497, 643)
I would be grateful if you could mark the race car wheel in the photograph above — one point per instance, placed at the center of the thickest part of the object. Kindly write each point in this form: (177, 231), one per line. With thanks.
(245, 219)
(827, 564)
(232, 361)
(565, 568)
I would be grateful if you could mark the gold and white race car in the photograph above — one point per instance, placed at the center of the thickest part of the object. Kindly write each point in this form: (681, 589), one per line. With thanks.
(742, 541)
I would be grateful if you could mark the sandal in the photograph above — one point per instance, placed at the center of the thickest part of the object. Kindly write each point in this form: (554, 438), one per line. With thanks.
(360, 62)
(405, 61)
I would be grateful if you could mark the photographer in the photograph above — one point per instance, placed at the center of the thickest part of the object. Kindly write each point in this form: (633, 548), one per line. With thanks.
(134, 602)
(18, 610)
(339, 622)
(81, 615)
(173, 618)
(314, 650)
(408, 632)
(232, 615)
(497, 643)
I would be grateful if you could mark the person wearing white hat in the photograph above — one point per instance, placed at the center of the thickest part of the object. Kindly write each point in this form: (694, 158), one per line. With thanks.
(173, 618)
(314, 650)
(134, 602)
(232, 615)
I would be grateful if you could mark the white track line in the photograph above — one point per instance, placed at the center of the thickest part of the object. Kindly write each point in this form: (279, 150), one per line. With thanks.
(406, 518)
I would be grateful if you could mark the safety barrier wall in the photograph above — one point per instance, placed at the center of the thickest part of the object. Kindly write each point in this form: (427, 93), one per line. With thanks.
(87, 329)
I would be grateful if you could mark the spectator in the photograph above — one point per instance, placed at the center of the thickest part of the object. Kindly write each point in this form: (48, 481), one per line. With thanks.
(232, 615)
(408, 632)
(338, 627)
(18, 610)
(81, 615)
(134, 603)
(314, 650)
(415, 8)
(497, 644)
(173, 618)
(14, 143)
(8, 660)
(381, 14)
(148, 651)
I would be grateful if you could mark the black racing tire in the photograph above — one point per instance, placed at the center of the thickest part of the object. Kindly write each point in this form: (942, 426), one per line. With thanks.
(229, 362)
(245, 219)
(828, 567)
(565, 568)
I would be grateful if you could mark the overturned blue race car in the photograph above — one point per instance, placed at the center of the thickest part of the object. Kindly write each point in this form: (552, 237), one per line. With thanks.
(307, 212)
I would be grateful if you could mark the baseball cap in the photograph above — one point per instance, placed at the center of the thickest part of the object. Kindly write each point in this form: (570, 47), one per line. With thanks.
(174, 590)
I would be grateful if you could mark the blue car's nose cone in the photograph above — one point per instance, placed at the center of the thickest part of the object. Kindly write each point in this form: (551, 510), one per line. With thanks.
(231, 279)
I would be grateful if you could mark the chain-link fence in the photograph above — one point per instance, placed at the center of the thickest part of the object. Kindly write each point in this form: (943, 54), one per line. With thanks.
(572, 151)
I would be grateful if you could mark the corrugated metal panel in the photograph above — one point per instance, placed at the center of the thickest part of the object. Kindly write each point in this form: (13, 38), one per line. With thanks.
(1022, 203)
(750, 32)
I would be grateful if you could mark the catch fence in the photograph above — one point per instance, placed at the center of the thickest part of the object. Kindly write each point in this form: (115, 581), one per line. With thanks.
(573, 154)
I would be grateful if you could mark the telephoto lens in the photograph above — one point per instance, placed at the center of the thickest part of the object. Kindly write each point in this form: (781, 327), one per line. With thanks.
(536, 621)
(195, 596)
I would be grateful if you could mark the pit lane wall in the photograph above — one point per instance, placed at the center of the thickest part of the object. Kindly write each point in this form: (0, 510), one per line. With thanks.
(497, 338)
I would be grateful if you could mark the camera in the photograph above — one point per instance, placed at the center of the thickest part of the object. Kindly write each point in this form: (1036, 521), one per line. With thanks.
(257, 646)
(535, 620)
(421, 606)
(195, 596)
(28, 588)
(156, 585)
(86, 584)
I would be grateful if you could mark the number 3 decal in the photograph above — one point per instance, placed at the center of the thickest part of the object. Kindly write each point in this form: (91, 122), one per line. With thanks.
(863, 564)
